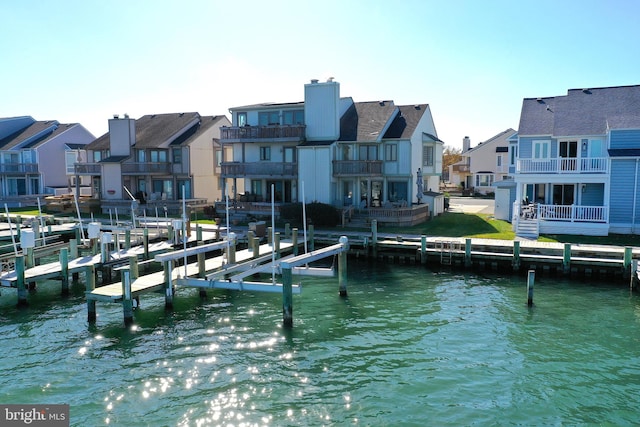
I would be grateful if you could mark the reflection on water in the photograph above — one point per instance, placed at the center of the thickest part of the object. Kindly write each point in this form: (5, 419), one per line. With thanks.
(409, 346)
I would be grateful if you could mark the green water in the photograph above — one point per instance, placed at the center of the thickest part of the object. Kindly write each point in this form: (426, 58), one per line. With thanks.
(409, 346)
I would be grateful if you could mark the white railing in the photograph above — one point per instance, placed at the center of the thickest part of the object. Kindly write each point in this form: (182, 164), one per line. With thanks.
(564, 165)
(573, 213)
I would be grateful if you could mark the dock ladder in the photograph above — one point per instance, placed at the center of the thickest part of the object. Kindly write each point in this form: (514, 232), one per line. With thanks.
(446, 248)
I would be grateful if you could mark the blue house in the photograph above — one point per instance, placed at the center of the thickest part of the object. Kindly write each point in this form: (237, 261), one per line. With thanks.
(576, 163)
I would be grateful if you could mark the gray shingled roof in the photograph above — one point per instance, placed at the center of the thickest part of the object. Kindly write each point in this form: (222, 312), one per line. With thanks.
(154, 130)
(366, 121)
(581, 112)
(405, 123)
(30, 131)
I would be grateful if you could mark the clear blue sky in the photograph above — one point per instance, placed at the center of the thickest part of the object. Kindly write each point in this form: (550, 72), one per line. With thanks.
(472, 61)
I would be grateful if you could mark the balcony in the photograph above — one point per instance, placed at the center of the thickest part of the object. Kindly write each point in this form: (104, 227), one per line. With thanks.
(259, 170)
(274, 133)
(18, 168)
(461, 168)
(564, 165)
(357, 168)
(147, 168)
(87, 169)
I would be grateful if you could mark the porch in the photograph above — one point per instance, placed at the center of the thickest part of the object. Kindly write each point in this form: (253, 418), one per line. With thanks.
(560, 219)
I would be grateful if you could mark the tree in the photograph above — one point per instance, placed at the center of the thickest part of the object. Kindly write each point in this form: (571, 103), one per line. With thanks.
(450, 155)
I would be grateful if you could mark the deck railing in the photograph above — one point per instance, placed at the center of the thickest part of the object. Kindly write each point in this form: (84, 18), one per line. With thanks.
(146, 168)
(572, 213)
(87, 169)
(357, 167)
(278, 132)
(564, 165)
(257, 169)
(18, 168)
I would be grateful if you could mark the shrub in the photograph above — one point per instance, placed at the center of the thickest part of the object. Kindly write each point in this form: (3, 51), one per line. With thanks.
(319, 214)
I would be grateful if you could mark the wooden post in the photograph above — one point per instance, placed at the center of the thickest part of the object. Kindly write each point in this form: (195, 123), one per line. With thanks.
(269, 235)
(287, 230)
(202, 272)
(467, 252)
(566, 258)
(633, 283)
(36, 232)
(168, 288)
(531, 278)
(626, 267)
(311, 238)
(255, 243)
(516, 255)
(127, 301)
(73, 251)
(170, 233)
(30, 258)
(94, 246)
(78, 233)
(374, 237)
(342, 266)
(90, 285)
(21, 285)
(276, 245)
(145, 242)
(294, 241)
(133, 267)
(423, 250)
(231, 256)
(287, 295)
(127, 239)
(64, 270)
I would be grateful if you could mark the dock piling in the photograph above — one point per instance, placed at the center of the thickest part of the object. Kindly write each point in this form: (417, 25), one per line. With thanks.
(342, 266)
(294, 241)
(626, 265)
(467, 252)
(566, 259)
(531, 278)
(276, 244)
(145, 242)
(64, 270)
(423, 250)
(21, 285)
(127, 301)
(90, 285)
(168, 289)
(374, 237)
(516, 256)
(287, 295)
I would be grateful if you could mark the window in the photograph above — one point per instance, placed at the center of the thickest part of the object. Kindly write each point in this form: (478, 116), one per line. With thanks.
(541, 149)
(265, 153)
(484, 180)
(391, 152)
(294, 117)
(427, 155)
(289, 154)
(158, 156)
(499, 161)
(187, 188)
(218, 157)
(268, 118)
(163, 187)
(368, 152)
(242, 119)
(97, 156)
(397, 191)
(514, 154)
(70, 157)
(177, 155)
(142, 156)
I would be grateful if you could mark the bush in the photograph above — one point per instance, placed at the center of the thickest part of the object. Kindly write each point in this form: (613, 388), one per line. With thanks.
(319, 214)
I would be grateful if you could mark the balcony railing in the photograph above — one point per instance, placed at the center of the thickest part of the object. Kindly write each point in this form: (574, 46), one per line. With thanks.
(257, 133)
(572, 213)
(564, 165)
(357, 167)
(87, 169)
(148, 168)
(259, 169)
(461, 168)
(9, 168)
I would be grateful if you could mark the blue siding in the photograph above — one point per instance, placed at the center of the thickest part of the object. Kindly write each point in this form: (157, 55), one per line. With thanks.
(525, 148)
(622, 185)
(625, 139)
(593, 195)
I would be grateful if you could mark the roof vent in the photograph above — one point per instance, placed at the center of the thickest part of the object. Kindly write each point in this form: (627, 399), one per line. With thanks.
(314, 81)
(381, 103)
(540, 101)
(330, 79)
(116, 116)
(587, 91)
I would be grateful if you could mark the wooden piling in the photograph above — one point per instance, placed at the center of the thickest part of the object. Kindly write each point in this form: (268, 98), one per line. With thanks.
(294, 241)
(269, 235)
(342, 267)
(168, 288)
(30, 258)
(467, 253)
(287, 230)
(374, 237)
(626, 267)
(127, 239)
(515, 262)
(276, 244)
(423, 250)
(145, 242)
(287, 295)
(633, 283)
(566, 259)
(231, 256)
(198, 233)
(90, 285)
(531, 278)
(127, 301)
(20, 283)
(64, 270)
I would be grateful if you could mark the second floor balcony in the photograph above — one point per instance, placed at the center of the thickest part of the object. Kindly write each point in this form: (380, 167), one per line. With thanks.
(564, 165)
(87, 169)
(357, 168)
(18, 168)
(285, 170)
(461, 168)
(275, 133)
(147, 168)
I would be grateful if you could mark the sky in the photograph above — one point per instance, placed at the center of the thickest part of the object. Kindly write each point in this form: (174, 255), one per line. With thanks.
(82, 61)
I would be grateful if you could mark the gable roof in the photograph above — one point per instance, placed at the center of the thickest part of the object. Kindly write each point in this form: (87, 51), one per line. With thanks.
(366, 121)
(581, 112)
(155, 130)
(501, 138)
(34, 135)
(406, 121)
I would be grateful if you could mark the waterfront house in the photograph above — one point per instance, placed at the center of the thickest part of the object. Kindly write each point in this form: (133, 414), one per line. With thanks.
(155, 158)
(37, 157)
(576, 163)
(483, 165)
(359, 155)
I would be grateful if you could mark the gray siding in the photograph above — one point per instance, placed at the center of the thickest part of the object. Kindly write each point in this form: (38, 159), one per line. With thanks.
(621, 199)
(625, 139)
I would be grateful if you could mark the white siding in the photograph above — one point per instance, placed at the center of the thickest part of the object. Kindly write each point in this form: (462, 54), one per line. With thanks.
(314, 169)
